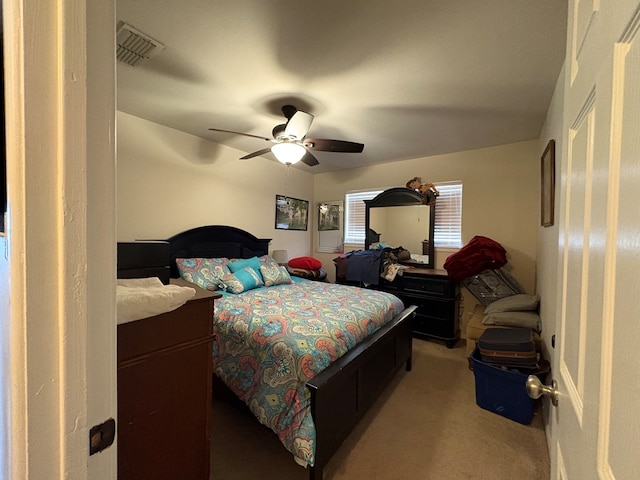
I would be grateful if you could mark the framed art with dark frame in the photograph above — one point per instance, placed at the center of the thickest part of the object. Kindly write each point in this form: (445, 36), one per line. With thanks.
(291, 213)
(548, 184)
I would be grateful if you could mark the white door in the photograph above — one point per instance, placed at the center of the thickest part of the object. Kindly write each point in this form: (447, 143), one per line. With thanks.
(595, 430)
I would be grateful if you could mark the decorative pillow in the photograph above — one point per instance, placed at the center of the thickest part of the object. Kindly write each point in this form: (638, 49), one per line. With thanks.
(513, 319)
(274, 275)
(267, 260)
(307, 263)
(204, 272)
(520, 302)
(240, 263)
(241, 280)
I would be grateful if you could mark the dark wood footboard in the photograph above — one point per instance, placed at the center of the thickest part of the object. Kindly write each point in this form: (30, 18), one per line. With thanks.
(341, 394)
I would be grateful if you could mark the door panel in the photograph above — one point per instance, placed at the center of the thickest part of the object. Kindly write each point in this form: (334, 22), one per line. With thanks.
(619, 431)
(596, 427)
(577, 216)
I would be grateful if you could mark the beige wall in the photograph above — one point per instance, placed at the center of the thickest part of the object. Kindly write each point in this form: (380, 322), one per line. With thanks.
(500, 199)
(169, 181)
(548, 245)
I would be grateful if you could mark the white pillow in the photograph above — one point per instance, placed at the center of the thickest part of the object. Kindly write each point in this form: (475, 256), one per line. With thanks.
(514, 303)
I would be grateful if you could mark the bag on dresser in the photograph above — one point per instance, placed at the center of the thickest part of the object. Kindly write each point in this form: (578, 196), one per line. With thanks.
(509, 347)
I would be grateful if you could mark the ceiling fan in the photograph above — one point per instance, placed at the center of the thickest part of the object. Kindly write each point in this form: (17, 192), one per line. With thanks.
(291, 143)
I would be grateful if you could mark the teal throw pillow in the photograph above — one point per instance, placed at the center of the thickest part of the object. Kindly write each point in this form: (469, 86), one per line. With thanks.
(240, 263)
(242, 280)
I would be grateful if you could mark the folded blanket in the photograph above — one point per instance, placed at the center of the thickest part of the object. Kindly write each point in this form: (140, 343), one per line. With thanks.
(145, 297)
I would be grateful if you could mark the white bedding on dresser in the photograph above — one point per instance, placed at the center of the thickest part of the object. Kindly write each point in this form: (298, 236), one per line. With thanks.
(139, 298)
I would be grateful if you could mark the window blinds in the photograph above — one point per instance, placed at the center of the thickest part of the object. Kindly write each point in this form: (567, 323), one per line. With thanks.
(448, 224)
(355, 215)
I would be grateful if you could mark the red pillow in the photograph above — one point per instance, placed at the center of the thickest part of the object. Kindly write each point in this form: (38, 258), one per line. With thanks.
(308, 263)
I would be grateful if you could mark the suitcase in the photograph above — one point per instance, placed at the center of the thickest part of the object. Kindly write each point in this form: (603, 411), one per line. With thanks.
(509, 347)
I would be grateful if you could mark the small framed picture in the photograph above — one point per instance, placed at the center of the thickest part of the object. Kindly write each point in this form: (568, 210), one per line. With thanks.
(548, 184)
(329, 216)
(291, 213)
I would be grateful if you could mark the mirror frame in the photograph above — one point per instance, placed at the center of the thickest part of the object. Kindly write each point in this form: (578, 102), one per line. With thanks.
(398, 197)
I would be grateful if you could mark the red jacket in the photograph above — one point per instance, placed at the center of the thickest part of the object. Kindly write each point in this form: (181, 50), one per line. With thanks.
(481, 253)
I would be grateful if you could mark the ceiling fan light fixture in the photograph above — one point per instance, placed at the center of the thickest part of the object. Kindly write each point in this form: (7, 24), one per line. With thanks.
(288, 153)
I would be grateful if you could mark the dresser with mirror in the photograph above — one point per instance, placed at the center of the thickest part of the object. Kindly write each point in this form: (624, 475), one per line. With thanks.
(398, 217)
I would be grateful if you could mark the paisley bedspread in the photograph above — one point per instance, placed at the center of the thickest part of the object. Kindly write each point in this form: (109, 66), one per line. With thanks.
(271, 341)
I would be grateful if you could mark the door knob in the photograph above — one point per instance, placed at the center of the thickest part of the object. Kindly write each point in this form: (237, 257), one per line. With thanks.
(535, 389)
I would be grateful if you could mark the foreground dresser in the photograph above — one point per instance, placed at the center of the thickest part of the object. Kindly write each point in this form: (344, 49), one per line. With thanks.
(164, 393)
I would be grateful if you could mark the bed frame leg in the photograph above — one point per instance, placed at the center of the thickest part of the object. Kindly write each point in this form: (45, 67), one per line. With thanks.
(408, 365)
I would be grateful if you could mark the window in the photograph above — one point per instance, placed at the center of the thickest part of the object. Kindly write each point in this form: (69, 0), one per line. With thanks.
(447, 228)
(355, 215)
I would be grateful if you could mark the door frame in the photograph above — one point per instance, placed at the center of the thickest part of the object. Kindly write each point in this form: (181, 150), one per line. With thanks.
(60, 111)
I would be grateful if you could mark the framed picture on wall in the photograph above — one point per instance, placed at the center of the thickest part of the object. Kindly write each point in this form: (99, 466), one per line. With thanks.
(548, 184)
(330, 227)
(329, 216)
(291, 213)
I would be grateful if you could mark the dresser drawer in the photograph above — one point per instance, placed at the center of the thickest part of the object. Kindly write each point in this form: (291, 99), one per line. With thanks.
(189, 323)
(434, 286)
(430, 307)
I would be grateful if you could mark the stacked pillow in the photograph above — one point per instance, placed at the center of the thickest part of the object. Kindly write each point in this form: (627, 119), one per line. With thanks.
(232, 275)
(204, 272)
(520, 310)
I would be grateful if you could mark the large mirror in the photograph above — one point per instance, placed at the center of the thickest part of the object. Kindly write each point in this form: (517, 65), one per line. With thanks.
(398, 218)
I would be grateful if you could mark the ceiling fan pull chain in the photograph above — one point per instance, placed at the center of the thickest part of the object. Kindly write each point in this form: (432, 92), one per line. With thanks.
(286, 180)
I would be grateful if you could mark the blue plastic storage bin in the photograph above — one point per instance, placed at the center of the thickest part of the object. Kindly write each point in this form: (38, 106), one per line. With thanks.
(502, 391)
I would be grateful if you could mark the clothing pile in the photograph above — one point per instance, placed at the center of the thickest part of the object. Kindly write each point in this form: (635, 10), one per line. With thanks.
(368, 266)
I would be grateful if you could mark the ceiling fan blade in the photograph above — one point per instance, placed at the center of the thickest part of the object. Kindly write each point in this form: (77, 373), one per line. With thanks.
(325, 145)
(240, 133)
(256, 154)
(298, 125)
(309, 159)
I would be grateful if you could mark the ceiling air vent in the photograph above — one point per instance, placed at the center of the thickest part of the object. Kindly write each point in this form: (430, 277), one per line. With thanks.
(135, 47)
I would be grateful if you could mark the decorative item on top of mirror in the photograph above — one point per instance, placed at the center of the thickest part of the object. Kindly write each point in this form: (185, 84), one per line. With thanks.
(428, 191)
(330, 228)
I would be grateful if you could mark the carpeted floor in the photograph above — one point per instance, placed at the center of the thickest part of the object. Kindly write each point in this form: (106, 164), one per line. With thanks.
(426, 425)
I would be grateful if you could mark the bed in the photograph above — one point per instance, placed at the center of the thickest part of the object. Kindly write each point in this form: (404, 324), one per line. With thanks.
(340, 380)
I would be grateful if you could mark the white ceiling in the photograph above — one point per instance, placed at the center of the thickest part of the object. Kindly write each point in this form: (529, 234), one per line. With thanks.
(407, 78)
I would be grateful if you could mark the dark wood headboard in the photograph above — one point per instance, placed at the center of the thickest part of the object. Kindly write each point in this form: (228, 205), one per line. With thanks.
(214, 241)
(144, 259)
(158, 258)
